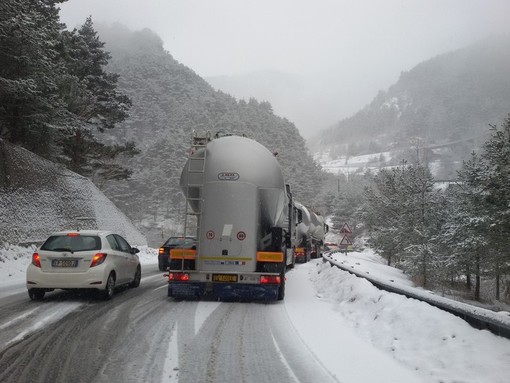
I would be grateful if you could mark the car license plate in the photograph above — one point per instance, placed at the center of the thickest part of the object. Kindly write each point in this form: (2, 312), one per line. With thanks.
(224, 278)
(64, 263)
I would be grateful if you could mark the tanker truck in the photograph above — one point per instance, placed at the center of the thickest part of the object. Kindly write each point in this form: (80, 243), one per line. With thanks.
(303, 234)
(242, 214)
(311, 230)
(317, 235)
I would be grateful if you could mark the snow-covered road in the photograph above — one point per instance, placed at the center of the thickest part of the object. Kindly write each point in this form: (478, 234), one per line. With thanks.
(141, 335)
(331, 327)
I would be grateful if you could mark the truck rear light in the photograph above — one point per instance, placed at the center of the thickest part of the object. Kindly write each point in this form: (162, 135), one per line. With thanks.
(36, 260)
(98, 259)
(270, 279)
(182, 277)
(161, 250)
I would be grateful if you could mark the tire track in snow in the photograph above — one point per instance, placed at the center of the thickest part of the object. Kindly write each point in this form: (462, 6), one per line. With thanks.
(35, 319)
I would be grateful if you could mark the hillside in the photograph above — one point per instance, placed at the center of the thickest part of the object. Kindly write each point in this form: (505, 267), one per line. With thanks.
(442, 107)
(38, 197)
(169, 102)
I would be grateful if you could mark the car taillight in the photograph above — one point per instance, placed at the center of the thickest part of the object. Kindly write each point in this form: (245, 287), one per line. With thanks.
(270, 279)
(98, 259)
(36, 260)
(161, 250)
(183, 277)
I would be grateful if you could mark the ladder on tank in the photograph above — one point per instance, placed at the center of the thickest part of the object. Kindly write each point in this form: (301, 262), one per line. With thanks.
(197, 157)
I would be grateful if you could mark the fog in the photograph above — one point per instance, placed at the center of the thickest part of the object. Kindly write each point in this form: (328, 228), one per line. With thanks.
(315, 61)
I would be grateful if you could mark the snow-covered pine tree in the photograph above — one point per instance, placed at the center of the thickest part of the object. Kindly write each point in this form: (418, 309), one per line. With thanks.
(470, 221)
(382, 212)
(93, 99)
(54, 91)
(401, 215)
(30, 106)
(421, 217)
(496, 182)
(100, 104)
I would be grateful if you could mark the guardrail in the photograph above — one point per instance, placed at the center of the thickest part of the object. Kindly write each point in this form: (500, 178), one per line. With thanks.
(480, 318)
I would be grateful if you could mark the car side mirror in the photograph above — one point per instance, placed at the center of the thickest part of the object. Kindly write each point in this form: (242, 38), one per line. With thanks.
(134, 250)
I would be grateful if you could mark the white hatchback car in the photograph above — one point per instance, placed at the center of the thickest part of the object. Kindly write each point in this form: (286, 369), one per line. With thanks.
(83, 259)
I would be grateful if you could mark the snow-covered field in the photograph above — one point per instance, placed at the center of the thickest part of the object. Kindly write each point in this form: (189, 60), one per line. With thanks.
(344, 320)
(354, 164)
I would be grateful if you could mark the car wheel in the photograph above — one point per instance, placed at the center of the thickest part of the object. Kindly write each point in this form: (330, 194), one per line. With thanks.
(36, 294)
(110, 287)
(137, 278)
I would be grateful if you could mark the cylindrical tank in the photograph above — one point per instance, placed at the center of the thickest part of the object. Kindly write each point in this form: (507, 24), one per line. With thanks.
(238, 159)
(244, 199)
(304, 228)
(318, 222)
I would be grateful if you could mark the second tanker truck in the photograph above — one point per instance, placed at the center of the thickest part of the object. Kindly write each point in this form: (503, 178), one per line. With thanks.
(241, 211)
(310, 234)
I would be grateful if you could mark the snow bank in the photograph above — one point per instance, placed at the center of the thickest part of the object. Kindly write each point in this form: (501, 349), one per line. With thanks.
(368, 265)
(439, 346)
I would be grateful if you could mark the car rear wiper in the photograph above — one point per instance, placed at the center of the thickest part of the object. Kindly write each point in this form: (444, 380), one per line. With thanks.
(63, 249)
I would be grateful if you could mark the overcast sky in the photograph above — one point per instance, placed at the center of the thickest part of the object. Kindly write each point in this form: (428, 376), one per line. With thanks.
(352, 47)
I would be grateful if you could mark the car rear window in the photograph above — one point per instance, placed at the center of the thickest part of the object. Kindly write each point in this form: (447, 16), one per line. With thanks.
(173, 241)
(72, 243)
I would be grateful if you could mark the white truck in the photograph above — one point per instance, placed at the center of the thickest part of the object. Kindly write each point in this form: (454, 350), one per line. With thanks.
(242, 214)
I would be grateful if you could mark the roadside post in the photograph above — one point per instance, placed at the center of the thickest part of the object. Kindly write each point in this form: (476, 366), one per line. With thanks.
(346, 242)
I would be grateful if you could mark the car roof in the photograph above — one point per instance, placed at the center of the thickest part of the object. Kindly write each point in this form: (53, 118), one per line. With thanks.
(83, 232)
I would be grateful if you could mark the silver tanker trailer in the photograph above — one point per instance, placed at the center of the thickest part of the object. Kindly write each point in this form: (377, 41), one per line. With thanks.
(318, 234)
(304, 230)
(311, 230)
(243, 217)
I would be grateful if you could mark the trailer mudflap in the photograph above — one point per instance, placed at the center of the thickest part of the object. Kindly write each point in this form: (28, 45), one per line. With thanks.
(223, 291)
(234, 291)
(185, 290)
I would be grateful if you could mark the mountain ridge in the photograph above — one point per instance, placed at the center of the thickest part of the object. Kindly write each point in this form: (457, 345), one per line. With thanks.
(170, 101)
(450, 98)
